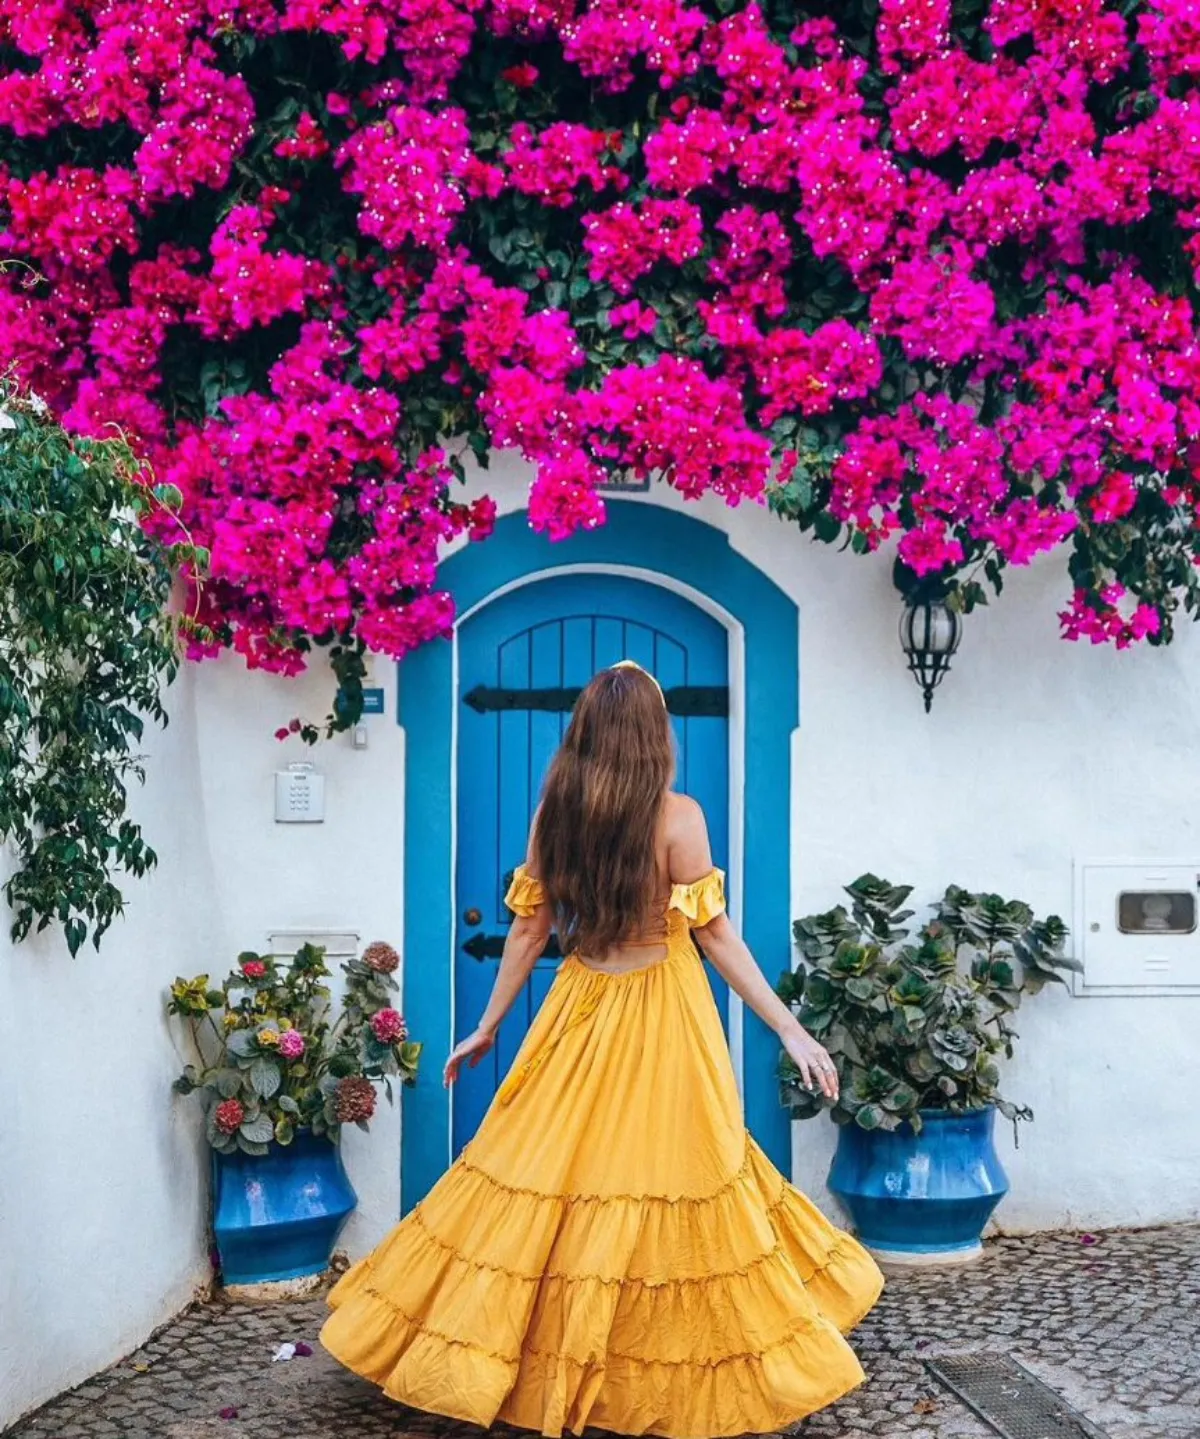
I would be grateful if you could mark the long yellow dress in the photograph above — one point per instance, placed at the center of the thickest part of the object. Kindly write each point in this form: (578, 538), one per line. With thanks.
(612, 1250)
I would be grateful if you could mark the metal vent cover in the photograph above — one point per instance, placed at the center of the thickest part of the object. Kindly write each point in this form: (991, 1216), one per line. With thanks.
(1008, 1398)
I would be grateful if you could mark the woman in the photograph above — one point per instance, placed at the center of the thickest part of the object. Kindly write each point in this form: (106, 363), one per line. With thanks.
(612, 1250)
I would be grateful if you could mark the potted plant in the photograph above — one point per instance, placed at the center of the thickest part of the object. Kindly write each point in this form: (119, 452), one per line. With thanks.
(915, 1027)
(280, 1072)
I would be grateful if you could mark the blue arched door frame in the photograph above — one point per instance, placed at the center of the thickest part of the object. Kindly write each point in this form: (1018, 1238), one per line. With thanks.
(654, 541)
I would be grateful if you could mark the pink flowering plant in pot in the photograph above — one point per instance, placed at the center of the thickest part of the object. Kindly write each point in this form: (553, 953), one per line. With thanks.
(274, 1057)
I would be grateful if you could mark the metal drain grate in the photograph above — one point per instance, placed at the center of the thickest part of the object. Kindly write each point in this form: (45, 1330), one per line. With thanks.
(1010, 1399)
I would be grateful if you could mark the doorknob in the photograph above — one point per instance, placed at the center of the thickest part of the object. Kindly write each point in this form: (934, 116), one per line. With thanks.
(473, 916)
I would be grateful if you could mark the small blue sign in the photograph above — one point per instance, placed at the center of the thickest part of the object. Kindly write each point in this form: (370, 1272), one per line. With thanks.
(372, 702)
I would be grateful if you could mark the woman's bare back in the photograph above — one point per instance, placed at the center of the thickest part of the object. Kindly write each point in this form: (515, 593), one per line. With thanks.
(680, 822)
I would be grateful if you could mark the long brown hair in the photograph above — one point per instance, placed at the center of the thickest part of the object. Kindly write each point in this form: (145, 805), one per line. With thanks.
(595, 842)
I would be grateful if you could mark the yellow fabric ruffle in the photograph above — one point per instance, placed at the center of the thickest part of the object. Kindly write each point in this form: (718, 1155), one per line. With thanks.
(612, 1250)
(699, 902)
(526, 895)
(702, 900)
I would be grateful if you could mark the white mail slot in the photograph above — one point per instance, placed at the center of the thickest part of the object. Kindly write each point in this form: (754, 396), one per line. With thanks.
(1137, 927)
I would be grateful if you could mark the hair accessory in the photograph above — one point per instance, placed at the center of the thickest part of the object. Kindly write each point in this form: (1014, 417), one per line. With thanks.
(633, 665)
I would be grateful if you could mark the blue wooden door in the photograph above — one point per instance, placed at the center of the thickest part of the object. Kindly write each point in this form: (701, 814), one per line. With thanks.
(552, 635)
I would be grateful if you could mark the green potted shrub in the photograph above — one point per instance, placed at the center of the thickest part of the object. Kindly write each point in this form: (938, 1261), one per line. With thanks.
(916, 1024)
(280, 1071)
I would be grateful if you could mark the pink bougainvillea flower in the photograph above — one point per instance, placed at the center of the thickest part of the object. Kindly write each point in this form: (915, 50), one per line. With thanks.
(522, 76)
(905, 280)
(626, 241)
(551, 163)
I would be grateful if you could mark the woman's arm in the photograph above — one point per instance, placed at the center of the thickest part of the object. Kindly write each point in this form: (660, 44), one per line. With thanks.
(523, 946)
(690, 858)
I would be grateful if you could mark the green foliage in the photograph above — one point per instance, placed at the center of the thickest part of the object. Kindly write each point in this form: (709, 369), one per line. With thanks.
(916, 1023)
(86, 649)
(237, 1035)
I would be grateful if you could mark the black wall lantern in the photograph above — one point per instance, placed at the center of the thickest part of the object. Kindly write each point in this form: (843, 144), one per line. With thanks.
(929, 634)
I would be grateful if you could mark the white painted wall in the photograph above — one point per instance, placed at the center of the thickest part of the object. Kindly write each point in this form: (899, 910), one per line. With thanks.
(102, 1200)
(345, 873)
(1037, 753)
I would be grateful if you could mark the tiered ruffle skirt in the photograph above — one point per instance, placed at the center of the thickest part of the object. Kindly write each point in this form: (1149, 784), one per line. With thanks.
(612, 1250)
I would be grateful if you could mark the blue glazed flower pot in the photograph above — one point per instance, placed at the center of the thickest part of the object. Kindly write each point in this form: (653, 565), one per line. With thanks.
(921, 1198)
(276, 1216)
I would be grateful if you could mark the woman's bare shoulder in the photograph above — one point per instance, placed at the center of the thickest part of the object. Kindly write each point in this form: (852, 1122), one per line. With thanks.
(686, 839)
(681, 814)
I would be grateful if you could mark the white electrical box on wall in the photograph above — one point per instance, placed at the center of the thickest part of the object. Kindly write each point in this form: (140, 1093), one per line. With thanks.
(299, 795)
(1137, 927)
(337, 943)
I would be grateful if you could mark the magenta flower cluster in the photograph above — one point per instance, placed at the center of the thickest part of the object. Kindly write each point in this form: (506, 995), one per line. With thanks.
(914, 280)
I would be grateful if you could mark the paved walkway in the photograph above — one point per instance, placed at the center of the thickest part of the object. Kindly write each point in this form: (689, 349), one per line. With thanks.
(1114, 1327)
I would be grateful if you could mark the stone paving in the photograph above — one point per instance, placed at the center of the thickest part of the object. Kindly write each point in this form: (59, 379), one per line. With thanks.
(1114, 1327)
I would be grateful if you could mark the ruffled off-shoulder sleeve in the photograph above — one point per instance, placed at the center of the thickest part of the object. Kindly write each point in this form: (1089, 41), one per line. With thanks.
(702, 900)
(525, 895)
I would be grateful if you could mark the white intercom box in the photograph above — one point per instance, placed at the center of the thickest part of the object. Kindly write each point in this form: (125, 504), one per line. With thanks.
(1136, 927)
(299, 795)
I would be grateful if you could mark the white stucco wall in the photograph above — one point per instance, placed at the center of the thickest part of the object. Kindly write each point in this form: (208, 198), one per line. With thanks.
(103, 1194)
(104, 1200)
(345, 873)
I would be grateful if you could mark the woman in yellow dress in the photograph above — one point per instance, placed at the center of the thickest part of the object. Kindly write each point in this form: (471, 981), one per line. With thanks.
(612, 1250)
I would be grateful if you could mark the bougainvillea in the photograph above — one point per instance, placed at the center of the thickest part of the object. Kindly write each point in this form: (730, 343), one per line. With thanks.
(917, 272)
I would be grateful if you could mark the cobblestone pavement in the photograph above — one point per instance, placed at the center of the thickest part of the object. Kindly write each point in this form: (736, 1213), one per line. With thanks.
(1115, 1328)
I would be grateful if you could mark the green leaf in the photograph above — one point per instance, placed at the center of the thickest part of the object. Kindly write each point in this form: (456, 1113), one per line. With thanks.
(265, 1077)
(258, 1130)
(171, 496)
(242, 1044)
(284, 1132)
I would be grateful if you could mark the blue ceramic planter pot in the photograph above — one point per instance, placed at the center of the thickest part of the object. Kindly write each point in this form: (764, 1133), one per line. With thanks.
(276, 1216)
(921, 1197)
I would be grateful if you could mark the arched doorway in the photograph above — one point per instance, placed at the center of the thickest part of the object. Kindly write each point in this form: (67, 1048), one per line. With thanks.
(652, 584)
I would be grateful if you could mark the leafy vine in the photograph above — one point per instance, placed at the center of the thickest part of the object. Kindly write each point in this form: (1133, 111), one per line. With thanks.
(87, 646)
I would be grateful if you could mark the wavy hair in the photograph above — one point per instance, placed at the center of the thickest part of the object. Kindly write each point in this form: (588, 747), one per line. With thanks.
(594, 847)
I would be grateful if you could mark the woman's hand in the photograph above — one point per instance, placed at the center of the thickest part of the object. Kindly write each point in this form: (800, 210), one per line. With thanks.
(817, 1069)
(472, 1049)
